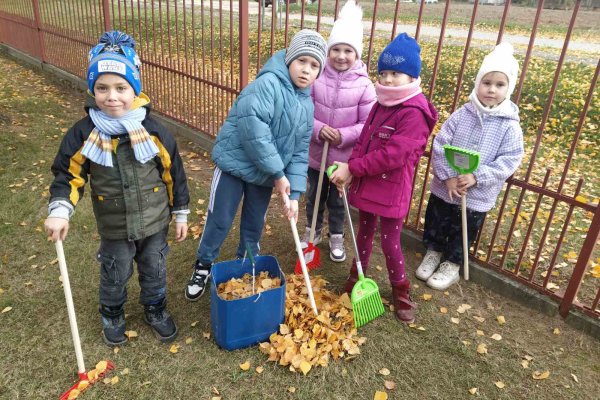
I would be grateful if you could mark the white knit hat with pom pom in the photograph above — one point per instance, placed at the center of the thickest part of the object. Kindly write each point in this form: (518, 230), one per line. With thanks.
(501, 59)
(348, 28)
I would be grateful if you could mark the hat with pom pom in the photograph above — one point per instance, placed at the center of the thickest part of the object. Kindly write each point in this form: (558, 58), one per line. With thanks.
(501, 59)
(114, 54)
(348, 28)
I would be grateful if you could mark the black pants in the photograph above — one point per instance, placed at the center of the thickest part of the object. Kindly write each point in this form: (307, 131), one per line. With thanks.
(330, 197)
(443, 228)
(116, 267)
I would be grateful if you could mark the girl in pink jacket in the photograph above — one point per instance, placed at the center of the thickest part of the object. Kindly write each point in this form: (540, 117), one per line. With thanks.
(343, 96)
(382, 164)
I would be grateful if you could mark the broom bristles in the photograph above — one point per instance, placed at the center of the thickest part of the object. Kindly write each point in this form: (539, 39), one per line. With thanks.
(367, 309)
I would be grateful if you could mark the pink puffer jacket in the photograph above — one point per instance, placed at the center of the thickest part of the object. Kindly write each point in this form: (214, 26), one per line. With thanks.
(342, 101)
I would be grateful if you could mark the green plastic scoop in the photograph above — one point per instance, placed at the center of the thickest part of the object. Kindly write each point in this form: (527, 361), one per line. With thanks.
(463, 161)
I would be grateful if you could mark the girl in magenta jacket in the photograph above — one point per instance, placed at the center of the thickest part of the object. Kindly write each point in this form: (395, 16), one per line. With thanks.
(343, 96)
(382, 164)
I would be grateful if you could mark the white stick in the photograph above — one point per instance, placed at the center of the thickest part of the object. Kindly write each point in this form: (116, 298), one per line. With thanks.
(464, 238)
(313, 225)
(303, 265)
(62, 264)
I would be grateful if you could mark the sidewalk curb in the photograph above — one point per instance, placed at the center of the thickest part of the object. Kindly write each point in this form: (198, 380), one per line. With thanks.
(479, 274)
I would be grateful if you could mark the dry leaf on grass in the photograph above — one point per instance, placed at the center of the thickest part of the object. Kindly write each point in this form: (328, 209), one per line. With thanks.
(473, 390)
(537, 375)
(480, 332)
(501, 319)
(556, 331)
(245, 366)
(125, 371)
(131, 334)
(482, 348)
(463, 308)
(524, 363)
(206, 335)
(499, 384)
(6, 309)
(291, 389)
(389, 385)
(443, 310)
(496, 336)
(384, 371)
(427, 296)
(455, 320)
(575, 378)
(193, 324)
(174, 348)
(259, 369)
(380, 395)
(188, 340)
(478, 319)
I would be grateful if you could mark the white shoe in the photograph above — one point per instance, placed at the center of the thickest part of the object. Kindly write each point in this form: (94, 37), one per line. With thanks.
(337, 253)
(446, 276)
(306, 239)
(429, 264)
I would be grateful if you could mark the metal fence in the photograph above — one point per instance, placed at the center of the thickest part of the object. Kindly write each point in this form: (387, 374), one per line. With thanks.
(197, 56)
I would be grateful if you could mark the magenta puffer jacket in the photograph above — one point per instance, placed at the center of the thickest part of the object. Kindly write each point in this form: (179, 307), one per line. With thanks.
(384, 157)
(342, 101)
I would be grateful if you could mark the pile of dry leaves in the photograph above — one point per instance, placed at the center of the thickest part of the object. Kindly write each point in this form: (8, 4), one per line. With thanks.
(239, 288)
(305, 340)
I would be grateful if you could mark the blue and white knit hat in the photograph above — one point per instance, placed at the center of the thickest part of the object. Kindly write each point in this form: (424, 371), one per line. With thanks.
(403, 54)
(115, 54)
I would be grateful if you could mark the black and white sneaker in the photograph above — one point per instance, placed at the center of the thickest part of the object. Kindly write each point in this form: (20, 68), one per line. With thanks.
(198, 282)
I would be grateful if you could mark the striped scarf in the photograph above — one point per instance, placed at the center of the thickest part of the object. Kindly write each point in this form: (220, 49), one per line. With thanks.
(98, 147)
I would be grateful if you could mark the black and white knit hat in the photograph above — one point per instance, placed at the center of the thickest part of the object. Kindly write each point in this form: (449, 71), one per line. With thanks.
(307, 43)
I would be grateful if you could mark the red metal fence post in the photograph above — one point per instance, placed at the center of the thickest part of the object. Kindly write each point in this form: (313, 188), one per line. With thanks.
(244, 59)
(585, 255)
(106, 15)
(38, 26)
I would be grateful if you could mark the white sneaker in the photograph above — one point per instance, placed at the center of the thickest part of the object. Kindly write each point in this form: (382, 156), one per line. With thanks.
(429, 264)
(337, 253)
(306, 239)
(446, 276)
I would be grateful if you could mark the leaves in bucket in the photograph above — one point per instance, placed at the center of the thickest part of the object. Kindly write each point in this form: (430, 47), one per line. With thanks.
(239, 288)
(305, 341)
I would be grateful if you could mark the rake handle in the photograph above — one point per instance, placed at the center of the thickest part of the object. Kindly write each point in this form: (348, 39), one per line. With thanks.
(358, 262)
(303, 265)
(62, 264)
(465, 240)
(313, 224)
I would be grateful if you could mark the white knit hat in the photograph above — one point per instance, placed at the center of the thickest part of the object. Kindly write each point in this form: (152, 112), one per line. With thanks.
(501, 59)
(348, 28)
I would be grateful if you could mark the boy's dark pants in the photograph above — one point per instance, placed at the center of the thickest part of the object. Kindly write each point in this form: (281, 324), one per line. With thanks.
(329, 196)
(225, 195)
(443, 228)
(116, 267)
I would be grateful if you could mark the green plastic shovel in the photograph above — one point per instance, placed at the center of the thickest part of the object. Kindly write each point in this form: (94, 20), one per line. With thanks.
(463, 162)
(366, 300)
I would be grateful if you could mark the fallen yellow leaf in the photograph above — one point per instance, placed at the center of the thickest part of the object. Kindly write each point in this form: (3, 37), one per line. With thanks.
(501, 319)
(206, 335)
(125, 371)
(482, 348)
(188, 340)
(480, 332)
(455, 320)
(245, 366)
(114, 380)
(174, 348)
(193, 324)
(260, 369)
(443, 310)
(131, 334)
(305, 367)
(380, 395)
(537, 375)
(575, 378)
(473, 390)
(384, 371)
(6, 309)
(291, 389)
(427, 297)
(73, 394)
(524, 363)
(556, 331)
(496, 336)
(499, 384)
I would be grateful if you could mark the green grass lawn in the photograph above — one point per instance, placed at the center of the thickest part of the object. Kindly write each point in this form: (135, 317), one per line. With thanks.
(438, 362)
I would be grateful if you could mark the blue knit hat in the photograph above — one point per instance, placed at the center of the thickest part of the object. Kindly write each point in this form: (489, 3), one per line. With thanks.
(115, 54)
(403, 54)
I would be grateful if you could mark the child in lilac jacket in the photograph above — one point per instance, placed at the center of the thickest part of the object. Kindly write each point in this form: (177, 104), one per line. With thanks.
(489, 125)
(382, 164)
(343, 96)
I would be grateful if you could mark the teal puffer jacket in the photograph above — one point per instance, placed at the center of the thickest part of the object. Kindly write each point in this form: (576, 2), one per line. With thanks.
(267, 131)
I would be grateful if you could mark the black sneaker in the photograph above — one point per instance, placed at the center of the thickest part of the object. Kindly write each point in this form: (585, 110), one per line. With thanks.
(198, 282)
(160, 321)
(113, 325)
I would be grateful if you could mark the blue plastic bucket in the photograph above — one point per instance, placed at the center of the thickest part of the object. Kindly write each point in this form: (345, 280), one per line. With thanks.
(251, 320)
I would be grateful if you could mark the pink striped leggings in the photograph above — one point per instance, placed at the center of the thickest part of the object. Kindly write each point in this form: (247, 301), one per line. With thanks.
(390, 244)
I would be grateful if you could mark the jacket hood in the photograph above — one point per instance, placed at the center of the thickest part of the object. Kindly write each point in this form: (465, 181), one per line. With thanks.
(510, 111)
(276, 65)
(428, 110)
(357, 70)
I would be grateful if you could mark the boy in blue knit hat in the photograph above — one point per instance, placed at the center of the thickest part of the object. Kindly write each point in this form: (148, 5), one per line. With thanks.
(137, 183)
(262, 145)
